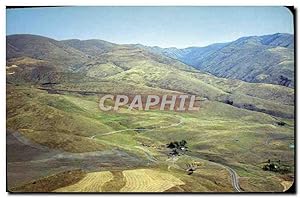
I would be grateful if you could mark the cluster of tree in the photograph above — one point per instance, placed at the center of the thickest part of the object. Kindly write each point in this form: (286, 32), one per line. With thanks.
(177, 148)
(280, 123)
(276, 166)
(230, 102)
(284, 81)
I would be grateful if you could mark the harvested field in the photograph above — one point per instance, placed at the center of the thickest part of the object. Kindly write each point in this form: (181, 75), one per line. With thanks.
(286, 185)
(138, 180)
(92, 182)
(146, 180)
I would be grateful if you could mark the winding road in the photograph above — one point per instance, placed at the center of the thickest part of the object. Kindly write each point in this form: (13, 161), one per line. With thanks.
(147, 153)
(135, 129)
(234, 179)
(233, 174)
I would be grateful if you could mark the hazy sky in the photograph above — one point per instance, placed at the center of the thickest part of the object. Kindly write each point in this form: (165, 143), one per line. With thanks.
(161, 26)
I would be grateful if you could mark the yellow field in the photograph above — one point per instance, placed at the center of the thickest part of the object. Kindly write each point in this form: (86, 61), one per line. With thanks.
(138, 180)
(92, 182)
(286, 185)
(146, 180)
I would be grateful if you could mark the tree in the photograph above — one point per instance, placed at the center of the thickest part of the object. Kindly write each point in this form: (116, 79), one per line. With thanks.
(182, 143)
(176, 144)
(174, 152)
(171, 145)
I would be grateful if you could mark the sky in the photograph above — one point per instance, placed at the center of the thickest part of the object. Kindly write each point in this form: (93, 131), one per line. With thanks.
(153, 26)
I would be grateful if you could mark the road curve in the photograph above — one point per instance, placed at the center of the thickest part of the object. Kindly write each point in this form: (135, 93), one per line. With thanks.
(234, 179)
(120, 131)
(233, 175)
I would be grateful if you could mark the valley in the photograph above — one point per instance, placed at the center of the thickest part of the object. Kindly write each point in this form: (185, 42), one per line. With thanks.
(58, 140)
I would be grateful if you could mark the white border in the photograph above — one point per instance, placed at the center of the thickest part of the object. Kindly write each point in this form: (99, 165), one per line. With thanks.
(149, 2)
(4, 3)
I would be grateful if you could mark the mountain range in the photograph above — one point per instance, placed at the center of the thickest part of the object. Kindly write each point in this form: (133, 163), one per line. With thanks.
(80, 64)
(266, 59)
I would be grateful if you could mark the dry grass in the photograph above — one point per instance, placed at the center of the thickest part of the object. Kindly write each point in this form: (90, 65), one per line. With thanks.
(286, 185)
(146, 180)
(65, 142)
(52, 182)
(92, 182)
(116, 183)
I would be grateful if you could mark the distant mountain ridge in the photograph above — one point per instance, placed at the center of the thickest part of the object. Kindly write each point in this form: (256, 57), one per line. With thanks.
(260, 59)
(43, 48)
(267, 59)
(97, 66)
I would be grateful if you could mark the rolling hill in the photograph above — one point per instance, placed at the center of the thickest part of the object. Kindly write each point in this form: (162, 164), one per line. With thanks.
(264, 59)
(53, 89)
(54, 52)
(129, 64)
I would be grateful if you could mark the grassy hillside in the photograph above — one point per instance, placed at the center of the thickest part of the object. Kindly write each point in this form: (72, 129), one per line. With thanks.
(53, 118)
(263, 59)
(220, 133)
(251, 62)
(42, 48)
